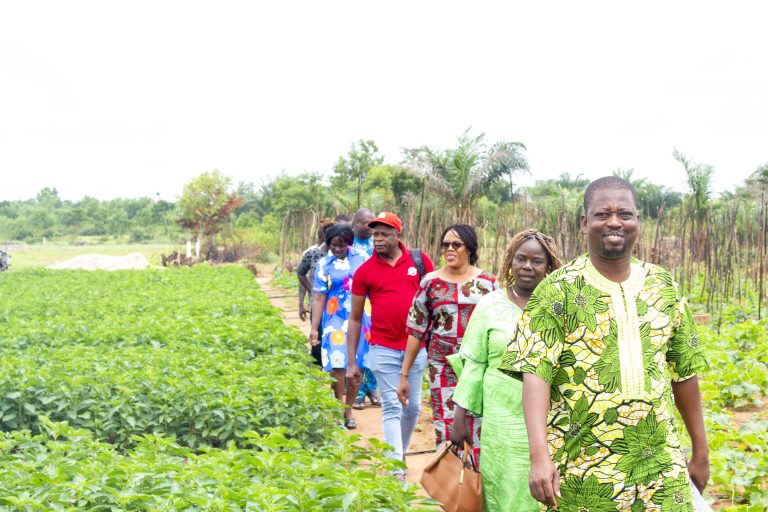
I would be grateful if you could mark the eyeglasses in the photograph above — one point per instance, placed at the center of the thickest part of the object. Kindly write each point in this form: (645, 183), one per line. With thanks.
(455, 245)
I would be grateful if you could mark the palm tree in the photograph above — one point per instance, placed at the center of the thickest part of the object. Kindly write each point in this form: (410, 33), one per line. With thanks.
(462, 174)
(699, 181)
(651, 198)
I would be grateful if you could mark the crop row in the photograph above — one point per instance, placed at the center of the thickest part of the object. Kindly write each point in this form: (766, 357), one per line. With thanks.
(217, 307)
(195, 394)
(64, 468)
(178, 389)
(197, 354)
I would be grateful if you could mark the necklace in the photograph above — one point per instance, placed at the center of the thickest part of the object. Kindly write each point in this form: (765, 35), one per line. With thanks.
(520, 298)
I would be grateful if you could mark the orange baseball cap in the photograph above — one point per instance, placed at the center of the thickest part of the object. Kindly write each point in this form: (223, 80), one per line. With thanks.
(388, 219)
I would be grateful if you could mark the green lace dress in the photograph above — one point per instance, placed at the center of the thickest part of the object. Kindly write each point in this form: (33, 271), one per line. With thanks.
(484, 390)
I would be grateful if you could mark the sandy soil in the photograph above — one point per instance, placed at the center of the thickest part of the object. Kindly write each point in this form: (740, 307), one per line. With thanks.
(103, 262)
(369, 419)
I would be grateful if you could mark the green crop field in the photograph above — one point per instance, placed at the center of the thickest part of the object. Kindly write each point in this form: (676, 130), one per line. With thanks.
(734, 391)
(182, 389)
(174, 389)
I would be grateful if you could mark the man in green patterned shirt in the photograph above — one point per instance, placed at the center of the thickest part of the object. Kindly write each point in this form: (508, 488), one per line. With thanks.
(603, 346)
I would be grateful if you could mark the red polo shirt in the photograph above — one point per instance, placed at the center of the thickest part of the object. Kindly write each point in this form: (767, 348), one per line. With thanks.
(390, 290)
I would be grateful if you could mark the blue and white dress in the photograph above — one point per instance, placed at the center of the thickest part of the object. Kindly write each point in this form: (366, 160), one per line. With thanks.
(368, 383)
(333, 278)
(364, 245)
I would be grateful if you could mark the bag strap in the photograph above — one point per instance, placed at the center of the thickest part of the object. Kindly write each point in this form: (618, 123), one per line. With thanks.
(447, 446)
(418, 260)
(468, 453)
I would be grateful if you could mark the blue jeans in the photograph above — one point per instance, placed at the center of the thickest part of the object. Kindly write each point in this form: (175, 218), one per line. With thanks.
(398, 421)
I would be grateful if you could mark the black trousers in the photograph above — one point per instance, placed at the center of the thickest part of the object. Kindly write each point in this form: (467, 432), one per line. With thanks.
(315, 350)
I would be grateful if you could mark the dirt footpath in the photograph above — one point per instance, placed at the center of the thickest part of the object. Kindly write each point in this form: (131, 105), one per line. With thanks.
(369, 419)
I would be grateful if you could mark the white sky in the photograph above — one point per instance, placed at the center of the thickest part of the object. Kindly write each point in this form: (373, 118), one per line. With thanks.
(127, 99)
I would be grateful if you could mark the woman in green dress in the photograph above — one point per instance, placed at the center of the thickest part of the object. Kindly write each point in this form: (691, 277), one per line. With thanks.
(485, 391)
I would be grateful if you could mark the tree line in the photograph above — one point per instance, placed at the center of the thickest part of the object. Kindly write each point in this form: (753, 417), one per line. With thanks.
(716, 246)
(47, 216)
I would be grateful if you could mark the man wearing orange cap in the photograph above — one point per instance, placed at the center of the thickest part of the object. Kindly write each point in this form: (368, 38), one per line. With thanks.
(389, 279)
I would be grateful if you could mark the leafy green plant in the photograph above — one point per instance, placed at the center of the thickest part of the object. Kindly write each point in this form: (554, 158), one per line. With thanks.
(65, 468)
(175, 389)
(735, 388)
(200, 305)
(194, 394)
(197, 354)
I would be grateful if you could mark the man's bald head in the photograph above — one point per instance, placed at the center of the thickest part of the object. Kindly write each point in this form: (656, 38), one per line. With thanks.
(364, 213)
(360, 223)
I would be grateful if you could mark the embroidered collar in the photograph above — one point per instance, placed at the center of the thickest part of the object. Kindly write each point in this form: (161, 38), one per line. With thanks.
(630, 344)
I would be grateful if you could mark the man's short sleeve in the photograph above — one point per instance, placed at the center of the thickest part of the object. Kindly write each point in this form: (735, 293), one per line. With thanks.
(539, 338)
(685, 355)
(305, 264)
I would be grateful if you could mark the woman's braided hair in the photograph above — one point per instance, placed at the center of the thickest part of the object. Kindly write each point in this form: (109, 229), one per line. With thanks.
(547, 242)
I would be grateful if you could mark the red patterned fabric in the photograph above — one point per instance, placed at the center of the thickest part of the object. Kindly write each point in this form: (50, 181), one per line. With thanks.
(439, 314)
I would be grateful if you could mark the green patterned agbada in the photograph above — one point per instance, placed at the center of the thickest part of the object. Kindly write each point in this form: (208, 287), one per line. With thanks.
(610, 352)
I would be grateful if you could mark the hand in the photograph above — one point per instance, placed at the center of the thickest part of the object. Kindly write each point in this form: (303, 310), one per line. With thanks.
(403, 389)
(459, 434)
(698, 470)
(302, 312)
(544, 481)
(313, 338)
(354, 375)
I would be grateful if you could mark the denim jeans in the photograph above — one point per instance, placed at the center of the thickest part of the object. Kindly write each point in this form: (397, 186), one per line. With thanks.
(398, 421)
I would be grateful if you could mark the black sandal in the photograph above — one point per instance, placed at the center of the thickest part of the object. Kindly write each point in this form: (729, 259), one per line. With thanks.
(350, 423)
(373, 396)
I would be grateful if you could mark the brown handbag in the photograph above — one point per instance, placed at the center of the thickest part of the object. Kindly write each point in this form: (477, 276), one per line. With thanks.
(454, 481)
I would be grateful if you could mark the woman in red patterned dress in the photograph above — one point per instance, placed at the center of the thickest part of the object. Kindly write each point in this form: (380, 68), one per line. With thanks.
(439, 314)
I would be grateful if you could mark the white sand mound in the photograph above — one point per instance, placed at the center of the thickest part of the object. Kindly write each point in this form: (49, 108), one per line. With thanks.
(103, 262)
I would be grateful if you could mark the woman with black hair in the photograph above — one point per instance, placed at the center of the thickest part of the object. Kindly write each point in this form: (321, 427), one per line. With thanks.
(488, 392)
(333, 297)
(439, 314)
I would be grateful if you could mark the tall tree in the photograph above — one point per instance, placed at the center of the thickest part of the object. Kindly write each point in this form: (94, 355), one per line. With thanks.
(49, 197)
(206, 205)
(352, 170)
(651, 198)
(758, 180)
(469, 170)
(283, 194)
(699, 178)
(697, 208)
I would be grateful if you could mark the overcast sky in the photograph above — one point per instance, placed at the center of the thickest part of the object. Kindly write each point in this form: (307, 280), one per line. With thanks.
(128, 99)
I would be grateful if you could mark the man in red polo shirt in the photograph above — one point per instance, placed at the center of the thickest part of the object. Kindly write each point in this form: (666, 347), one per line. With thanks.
(390, 280)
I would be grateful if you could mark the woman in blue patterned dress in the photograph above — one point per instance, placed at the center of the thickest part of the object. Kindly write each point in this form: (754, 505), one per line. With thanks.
(333, 296)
